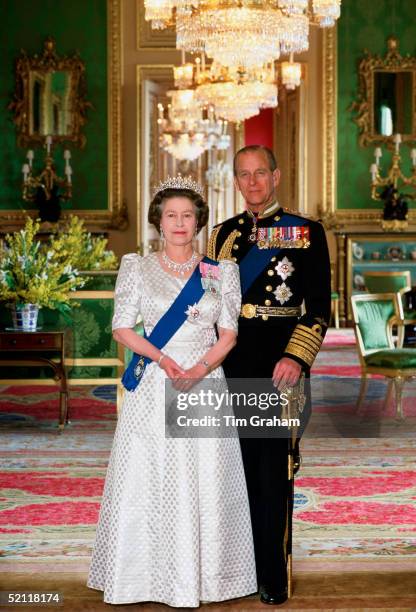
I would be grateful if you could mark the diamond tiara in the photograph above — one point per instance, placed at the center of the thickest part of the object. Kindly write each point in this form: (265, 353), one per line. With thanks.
(179, 182)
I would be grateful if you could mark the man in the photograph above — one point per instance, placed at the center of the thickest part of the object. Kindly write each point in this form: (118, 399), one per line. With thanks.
(285, 276)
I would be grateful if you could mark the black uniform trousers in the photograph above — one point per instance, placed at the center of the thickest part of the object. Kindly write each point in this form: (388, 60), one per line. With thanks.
(260, 345)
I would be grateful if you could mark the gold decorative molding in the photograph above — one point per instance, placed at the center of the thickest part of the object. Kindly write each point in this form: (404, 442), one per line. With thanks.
(153, 162)
(147, 37)
(115, 215)
(118, 218)
(369, 64)
(341, 219)
(329, 122)
(161, 74)
(331, 216)
(11, 220)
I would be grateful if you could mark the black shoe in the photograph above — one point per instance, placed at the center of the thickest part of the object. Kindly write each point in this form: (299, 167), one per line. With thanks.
(273, 598)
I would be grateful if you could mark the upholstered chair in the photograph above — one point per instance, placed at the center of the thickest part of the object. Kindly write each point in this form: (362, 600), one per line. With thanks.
(374, 314)
(392, 282)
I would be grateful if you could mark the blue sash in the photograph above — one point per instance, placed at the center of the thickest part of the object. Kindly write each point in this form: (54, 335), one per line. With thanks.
(256, 260)
(167, 326)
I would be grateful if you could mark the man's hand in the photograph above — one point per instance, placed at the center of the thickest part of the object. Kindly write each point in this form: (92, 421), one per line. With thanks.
(286, 373)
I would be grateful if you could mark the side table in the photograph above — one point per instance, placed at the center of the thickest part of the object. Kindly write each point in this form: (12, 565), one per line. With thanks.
(36, 348)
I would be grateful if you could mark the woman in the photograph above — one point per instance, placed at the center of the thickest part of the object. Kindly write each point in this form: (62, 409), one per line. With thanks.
(174, 523)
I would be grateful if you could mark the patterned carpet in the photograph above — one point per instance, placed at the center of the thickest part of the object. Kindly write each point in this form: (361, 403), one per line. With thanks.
(355, 496)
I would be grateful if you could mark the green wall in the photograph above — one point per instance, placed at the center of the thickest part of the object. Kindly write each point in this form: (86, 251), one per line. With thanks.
(365, 24)
(77, 25)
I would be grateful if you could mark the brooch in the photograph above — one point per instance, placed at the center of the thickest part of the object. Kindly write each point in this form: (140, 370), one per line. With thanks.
(193, 312)
(139, 369)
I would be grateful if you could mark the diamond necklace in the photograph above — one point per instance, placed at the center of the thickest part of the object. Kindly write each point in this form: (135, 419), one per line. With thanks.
(180, 268)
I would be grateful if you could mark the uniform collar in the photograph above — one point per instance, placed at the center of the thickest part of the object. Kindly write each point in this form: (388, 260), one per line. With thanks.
(271, 209)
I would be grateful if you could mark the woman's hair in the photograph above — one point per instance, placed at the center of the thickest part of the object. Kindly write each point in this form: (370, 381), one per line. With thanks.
(156, 205)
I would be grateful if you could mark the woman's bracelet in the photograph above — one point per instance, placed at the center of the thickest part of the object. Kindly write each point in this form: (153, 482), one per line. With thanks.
(159, 361)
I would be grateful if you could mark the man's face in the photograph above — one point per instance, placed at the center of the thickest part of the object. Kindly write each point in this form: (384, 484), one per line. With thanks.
(255, 180)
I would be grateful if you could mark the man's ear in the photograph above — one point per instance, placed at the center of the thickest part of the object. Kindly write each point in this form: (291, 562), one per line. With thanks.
(236, 185)
(276, 177)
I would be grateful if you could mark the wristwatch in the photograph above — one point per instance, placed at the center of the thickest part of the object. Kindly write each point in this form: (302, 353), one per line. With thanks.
(204, 363)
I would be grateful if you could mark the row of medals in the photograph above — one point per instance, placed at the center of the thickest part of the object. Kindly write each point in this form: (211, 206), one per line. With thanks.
(276, 243)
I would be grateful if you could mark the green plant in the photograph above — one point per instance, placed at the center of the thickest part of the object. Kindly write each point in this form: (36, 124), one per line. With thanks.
(32, 272)
(82, 250)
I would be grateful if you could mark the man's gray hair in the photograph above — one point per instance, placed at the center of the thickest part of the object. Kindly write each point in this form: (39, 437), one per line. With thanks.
(252, 149)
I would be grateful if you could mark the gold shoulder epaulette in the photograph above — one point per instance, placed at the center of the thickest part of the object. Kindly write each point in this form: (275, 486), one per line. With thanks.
(226, 249)
(212, 243)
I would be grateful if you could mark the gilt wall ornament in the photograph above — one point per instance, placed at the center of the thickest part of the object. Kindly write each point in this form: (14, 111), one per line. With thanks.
(50, 98)
(386, 101)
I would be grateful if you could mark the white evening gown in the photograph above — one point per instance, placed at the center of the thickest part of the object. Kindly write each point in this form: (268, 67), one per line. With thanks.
(174, 523)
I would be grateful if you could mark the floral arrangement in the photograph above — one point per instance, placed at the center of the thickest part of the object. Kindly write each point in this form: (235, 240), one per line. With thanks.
(32, 272)
(76, 246)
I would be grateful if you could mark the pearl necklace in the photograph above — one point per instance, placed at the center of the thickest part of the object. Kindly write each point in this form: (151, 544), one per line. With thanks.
(180, 268)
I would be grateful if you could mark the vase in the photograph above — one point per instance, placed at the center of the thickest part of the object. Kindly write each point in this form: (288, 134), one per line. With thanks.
(25, 317)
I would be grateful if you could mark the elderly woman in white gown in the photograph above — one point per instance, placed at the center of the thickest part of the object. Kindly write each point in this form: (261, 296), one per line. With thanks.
(174, 523)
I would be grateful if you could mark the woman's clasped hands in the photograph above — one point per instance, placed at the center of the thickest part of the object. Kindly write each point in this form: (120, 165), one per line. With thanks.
(182, 380)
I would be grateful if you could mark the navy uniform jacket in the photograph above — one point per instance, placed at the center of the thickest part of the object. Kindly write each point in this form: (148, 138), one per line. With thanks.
(297, 277)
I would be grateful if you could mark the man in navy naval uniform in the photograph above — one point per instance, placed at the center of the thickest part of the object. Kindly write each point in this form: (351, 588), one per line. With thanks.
(285, 278)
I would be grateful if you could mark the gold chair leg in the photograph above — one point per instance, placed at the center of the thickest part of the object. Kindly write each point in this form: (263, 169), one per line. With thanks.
(398, 384)
(400, 336)
(388, 394)
(336, 314)
(363, 392)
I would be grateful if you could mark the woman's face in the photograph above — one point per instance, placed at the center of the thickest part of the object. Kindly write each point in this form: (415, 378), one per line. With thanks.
(178, 220)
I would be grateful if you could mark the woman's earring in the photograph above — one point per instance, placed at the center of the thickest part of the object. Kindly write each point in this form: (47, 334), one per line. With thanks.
(162, 235)
(196, 232)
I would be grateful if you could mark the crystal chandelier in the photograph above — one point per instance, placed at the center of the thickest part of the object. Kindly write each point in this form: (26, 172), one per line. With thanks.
(186, 130)
(236, 95)
(183, 76)
(219, 175)
(243, 34)
(236, 36)
(291, 73)
(326, 12)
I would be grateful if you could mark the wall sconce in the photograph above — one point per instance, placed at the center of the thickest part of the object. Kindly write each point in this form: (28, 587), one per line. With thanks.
(386, 187)
(47, 188)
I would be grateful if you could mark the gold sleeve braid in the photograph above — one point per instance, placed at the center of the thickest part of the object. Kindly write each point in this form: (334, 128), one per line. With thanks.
(212, 243)
(305, 343)
(226, 249)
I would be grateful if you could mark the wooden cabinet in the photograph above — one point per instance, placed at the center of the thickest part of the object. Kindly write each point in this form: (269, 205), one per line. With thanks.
(361, 252)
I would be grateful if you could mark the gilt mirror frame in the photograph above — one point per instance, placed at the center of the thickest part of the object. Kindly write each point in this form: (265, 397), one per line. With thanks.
(114, 216)
(333, 217)
(22, 104)
(363, 107)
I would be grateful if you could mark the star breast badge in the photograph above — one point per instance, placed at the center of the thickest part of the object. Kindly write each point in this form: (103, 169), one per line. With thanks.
(193, 312)
(282, 293)
(284, 268)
